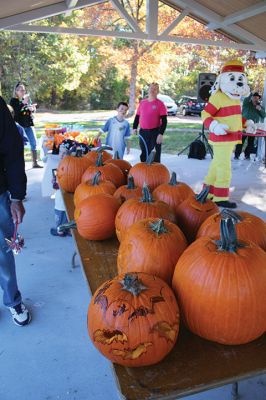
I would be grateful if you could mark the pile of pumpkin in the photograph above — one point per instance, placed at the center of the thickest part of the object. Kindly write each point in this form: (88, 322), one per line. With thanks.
(169, 236)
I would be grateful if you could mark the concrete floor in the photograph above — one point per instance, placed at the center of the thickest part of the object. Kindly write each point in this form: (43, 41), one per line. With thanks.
(53, 358)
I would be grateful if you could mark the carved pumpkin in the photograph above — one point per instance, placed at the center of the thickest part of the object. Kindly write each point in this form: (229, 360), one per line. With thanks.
(221, 288)
(193, 211)
(124, 165)
(93, 154)
(149, 172)
(95, 216)
(109, 172)
(133, 319)
(129, 191)
(93, 187)
(173, 193)
(70, 171)
(248, 226)
(134, 210)
(151, 245)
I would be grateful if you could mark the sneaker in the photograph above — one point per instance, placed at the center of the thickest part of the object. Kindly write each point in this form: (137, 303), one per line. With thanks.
(20, 314)
(54, 232)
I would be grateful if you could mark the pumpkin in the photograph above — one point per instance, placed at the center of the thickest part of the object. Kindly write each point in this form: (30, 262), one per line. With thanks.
(93, 154)
(151, 245)
(95, 216)
(93, 187)
(109, 172)
(124, 165)
(248, 226)
(70, 171)
(128, 191)
(134, 210)
(173, 192)
(193, 211)
(133, 319)
(149, 172)
(221, 288)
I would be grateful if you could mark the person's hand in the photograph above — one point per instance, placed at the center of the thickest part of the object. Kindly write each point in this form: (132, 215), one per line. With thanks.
(258, 107)
(17, 211)
(134, 131)
(159, 139)
(217, 128)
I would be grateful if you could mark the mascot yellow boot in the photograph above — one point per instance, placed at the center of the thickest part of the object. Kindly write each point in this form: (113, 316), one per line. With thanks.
(222, 117)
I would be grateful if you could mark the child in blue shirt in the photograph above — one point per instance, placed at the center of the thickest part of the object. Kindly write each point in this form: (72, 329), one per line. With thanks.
(118, 131)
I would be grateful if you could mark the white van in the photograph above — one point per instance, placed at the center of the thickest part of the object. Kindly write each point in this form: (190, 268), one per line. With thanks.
(169, 104)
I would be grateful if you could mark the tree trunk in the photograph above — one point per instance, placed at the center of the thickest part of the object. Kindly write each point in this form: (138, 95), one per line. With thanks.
(53, 97)
(133, 79)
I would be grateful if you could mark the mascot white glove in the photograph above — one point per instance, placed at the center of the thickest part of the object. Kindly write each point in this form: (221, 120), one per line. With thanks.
(250, 126)
(217, 128)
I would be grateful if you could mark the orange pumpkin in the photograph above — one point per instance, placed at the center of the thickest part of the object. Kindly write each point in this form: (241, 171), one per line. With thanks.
(134, 210)
(173, 193)
(93, 154)
(70, 171)
(109, 172)
(248, 226)
(93, 187)
(129, 191)
(151, 245)
(221, 288)
(193, 211)
(133, 319)
(95, 216)
(149, 172)
(124, 165)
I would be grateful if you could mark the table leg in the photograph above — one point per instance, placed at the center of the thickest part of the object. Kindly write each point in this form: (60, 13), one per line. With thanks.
(234, 391)
(73, 264)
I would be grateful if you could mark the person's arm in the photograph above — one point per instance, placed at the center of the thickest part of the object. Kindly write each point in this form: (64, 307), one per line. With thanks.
(261, 111)
(12, 154)
(127, 137)
(163, 124)
(135, 123)
(15, 103)
(105, 128)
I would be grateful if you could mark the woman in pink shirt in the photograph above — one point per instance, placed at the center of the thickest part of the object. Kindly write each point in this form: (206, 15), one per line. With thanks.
(152, 117)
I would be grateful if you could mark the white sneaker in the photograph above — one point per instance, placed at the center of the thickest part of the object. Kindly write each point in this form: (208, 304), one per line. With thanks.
(20, 314)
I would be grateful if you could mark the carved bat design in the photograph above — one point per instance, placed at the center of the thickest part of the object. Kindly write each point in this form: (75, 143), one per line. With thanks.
(128, 354)
(107, 337)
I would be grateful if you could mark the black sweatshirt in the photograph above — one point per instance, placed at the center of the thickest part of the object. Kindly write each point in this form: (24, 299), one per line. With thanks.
(22, 114)
(12, 166)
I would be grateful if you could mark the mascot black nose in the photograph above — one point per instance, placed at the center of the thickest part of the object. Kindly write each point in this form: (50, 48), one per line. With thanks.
(240, 84)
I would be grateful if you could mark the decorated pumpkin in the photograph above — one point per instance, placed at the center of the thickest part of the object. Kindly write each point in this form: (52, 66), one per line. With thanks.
(221, 288)
(248, 226)
(133, 319)
(149, 172)
(109, 172)
(129, 191)
(151, 245)
(134, 210)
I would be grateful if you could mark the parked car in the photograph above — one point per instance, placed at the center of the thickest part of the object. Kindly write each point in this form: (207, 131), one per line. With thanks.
(169, 103)
(188, 105)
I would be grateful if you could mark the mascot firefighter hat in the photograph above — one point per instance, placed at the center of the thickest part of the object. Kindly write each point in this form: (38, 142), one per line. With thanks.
(222, 116)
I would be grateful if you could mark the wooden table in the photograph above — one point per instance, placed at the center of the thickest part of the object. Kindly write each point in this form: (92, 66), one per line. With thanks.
(194, 365)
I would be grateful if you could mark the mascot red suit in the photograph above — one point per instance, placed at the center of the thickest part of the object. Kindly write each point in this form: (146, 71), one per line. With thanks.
(222, 117)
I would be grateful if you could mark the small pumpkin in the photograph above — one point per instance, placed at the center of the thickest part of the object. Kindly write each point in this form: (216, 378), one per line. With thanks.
(247, 225)
(151, 245)
(93, 187)
(95, 216)
(133, 319)
(134, 210)
(93, 154)
(129, 191)
(193, 211)
(221, 288)
(173, 193)
(109, 172)
(70, 171)
(149, 172)
(124, 165)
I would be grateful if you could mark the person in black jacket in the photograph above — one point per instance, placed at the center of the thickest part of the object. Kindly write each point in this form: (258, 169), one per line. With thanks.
(12, 191)
(24, 116)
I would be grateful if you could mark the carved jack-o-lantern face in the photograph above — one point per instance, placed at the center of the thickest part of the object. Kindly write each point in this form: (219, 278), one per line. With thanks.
(133, 319)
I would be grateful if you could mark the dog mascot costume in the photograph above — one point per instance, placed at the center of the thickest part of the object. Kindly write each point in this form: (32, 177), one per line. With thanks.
(222, 117)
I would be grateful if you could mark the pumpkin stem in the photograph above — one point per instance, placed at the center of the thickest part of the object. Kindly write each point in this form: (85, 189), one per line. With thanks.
(173, 181)
(96, 178)
(68, 225)
(202, 196)
(130, 182)
(147, 196)
(102, 148)
(99, 162)
(133, 284)
(116, 156)
(150, 159)
(158, 227)
(228, 241)
(231, 214)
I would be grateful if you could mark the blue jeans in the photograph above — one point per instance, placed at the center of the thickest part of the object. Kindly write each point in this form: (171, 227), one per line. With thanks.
(8, 278)
(31, 136)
